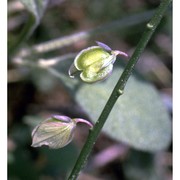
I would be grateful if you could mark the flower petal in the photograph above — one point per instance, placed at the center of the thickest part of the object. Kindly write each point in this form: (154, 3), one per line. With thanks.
(53, 132)
(91, 77)
(104, 46)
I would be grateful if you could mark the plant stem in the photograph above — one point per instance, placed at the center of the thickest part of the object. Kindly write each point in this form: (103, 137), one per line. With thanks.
(70, 39)
(119, 88)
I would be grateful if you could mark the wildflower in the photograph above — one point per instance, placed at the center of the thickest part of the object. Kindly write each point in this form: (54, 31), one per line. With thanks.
(95, 63)
(55, 132)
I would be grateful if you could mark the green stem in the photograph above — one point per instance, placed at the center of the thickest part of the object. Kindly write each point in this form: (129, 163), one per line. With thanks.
(119, 88)
(24, 35)
(70, 39)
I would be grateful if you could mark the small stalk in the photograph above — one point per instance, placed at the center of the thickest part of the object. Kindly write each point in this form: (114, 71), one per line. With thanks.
(70, 39)
(119, 89)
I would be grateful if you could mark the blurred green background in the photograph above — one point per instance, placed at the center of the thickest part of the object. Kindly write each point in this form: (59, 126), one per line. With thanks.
(34, 93)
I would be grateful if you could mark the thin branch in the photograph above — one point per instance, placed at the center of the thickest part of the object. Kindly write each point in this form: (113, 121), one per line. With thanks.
(70, 39)
(48, 65)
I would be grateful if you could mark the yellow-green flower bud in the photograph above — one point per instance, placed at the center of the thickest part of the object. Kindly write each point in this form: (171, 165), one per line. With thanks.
(95, 63)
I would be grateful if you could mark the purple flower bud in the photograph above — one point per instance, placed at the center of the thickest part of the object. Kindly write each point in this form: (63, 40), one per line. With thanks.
(55, 132)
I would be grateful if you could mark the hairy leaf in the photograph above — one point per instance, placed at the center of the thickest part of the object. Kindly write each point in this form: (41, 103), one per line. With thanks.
(138, 117)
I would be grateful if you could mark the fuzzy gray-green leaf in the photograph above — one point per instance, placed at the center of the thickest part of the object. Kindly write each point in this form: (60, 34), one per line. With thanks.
(138, 117)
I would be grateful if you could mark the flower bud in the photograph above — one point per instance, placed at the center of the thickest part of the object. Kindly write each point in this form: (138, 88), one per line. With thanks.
(55, 132)
(95, 63)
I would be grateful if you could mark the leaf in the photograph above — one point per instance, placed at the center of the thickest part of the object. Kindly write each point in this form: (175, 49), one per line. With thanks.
(142, 165)
(138, 117)
(36, 7)
(59, 161)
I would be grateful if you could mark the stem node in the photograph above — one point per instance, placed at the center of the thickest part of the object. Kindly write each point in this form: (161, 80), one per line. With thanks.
(120, 92)
(150, 26)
